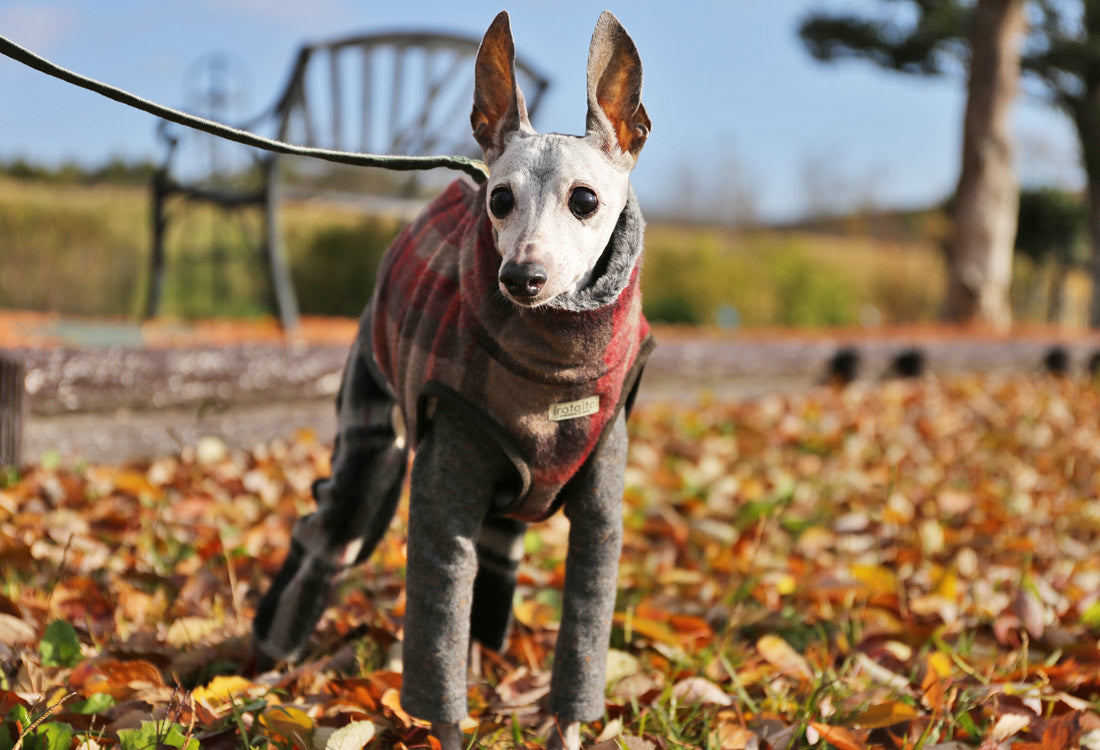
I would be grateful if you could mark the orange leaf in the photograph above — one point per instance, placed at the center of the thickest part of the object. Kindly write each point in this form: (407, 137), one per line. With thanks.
(391, 699)
(838, 737)
(357, 691)
(885, 715)
(119, 678)
(651, 629)
(934, 684)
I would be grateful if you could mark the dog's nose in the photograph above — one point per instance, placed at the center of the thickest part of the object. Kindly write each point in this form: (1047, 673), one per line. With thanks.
(523, 280)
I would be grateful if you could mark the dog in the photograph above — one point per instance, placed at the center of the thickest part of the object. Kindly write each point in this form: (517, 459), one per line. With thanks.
(504, 342)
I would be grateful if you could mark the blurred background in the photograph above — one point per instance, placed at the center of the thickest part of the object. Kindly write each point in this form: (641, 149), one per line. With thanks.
(805, 166)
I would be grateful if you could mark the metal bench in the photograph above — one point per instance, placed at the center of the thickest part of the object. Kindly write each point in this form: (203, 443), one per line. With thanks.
(389, 93)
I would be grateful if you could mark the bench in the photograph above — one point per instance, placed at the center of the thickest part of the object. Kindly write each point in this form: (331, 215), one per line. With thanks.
(386, 93)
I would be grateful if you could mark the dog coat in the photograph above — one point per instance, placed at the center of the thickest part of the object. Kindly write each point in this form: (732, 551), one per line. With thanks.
(545, 382)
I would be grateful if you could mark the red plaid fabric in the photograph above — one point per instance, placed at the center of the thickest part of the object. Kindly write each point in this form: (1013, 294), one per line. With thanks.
(442, 329)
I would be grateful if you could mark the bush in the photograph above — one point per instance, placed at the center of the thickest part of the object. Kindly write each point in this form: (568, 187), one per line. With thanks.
(68, 255)
(335, 270)
(768, 281)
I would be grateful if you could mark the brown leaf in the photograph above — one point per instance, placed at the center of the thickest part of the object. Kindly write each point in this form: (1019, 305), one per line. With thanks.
(1031, 612)
(700, 691)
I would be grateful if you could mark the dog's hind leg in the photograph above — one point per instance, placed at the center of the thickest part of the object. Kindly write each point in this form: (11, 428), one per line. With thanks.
(499, 552)
(354, 507)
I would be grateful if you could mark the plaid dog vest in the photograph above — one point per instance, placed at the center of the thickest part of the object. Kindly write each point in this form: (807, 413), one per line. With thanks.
(545, 382)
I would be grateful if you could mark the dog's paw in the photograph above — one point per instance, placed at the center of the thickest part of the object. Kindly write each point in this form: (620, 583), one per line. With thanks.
(449, 735)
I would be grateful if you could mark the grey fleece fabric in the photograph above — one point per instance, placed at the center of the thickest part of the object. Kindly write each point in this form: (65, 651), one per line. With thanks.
(450, 469)
(453, 541)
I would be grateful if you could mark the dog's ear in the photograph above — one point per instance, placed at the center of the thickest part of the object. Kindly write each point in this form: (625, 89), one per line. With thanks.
(615, 111)
(499, 108)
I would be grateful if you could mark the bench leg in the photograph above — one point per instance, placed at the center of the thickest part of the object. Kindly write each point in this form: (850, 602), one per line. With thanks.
(281, 283)
(12, 390)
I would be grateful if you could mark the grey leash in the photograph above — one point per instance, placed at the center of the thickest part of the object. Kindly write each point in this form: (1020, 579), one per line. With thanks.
(473, 167)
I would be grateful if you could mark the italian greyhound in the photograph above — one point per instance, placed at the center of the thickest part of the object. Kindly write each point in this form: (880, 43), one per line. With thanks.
(504, 343)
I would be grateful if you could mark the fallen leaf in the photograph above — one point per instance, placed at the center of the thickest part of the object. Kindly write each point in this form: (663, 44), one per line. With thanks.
(838, 737)
(223, 691)
(15, 631)
(733, 736)
(885, 714)
(700, 691)
(354, 736)
(391, 699)
(1007, 726)
(780, 655)
(187, 631)
(288, 723)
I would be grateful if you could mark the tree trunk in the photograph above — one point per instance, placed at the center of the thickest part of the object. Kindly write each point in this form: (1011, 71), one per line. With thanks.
(987, 196)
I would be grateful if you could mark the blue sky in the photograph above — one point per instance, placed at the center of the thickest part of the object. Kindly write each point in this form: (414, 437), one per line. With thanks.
(737, 105)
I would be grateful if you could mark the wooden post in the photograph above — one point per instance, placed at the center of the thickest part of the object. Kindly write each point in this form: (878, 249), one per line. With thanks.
(12, 390)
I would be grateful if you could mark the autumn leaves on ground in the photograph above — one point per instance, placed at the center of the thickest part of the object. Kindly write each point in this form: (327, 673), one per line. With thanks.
(911, 564)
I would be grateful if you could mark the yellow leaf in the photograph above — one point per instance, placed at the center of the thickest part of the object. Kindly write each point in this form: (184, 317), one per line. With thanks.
(535, 614)
(885, 715)
(940, 663)
(288, 723)
(222, 690)
(948, 586)
(187, 631)
(876, 578)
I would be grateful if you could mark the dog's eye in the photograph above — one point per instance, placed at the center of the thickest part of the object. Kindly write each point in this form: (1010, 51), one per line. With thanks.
(583, 202)
(501, 202)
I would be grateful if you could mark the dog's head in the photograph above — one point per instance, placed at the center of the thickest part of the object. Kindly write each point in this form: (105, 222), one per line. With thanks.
(554, 199)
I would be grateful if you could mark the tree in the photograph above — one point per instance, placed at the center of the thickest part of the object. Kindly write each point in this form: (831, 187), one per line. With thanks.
(1066, 60)
(1061, 55)
(988, 36)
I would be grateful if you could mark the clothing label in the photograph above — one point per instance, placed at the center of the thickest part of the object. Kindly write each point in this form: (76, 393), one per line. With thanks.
(574, 409)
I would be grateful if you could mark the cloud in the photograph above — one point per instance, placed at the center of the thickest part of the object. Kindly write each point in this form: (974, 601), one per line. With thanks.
(42, 28)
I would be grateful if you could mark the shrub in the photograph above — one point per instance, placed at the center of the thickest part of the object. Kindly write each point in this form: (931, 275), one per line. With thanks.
(767, 280)
(335, 268)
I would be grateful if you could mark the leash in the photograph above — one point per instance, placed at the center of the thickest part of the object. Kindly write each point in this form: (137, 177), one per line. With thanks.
(472, 167)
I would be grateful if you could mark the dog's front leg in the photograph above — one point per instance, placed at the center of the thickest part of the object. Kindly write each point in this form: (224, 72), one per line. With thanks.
(453, 477)
(593, 504)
